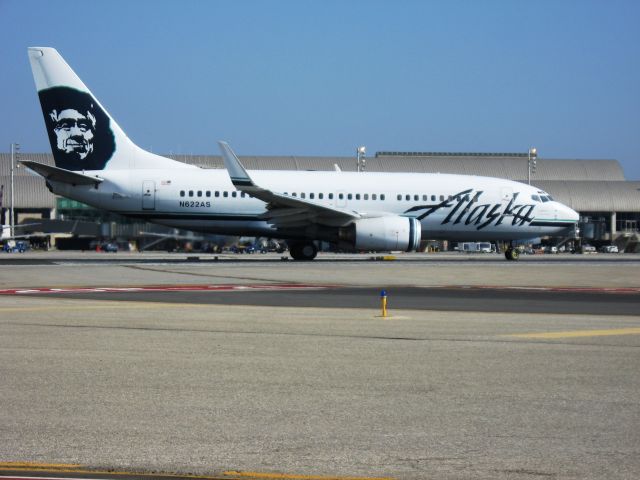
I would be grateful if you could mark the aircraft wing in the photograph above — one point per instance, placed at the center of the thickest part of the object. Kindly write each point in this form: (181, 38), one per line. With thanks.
(283, 211)
(60, 174)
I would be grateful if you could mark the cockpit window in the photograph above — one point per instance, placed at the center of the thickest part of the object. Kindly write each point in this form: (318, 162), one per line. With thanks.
(544, 199)
(535, 198)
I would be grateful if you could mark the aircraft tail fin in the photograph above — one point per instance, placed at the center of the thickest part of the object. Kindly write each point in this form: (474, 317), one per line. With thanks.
(82, 134)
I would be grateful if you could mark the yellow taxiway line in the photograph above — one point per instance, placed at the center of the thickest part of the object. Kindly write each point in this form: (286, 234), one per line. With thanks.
(288, 476)
(579, 333)
(228, 475)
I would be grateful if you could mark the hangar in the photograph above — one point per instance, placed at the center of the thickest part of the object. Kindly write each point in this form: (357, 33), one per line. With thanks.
(608, 204)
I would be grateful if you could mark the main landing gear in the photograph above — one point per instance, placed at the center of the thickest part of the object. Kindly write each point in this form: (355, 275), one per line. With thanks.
(303, 250)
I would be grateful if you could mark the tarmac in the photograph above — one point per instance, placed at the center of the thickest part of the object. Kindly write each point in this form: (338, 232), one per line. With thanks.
(190, 385)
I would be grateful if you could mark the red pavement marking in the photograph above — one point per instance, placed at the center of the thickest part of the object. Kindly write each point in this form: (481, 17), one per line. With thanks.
(164, 288)
(45, 478)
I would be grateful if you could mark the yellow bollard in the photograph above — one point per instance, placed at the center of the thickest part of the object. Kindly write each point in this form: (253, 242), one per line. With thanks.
(383, 301)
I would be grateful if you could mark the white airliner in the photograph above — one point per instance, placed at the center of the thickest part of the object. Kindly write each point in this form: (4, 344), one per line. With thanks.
(96, 163)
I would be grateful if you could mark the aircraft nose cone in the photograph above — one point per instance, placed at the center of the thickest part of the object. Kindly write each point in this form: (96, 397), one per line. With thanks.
(570, 214)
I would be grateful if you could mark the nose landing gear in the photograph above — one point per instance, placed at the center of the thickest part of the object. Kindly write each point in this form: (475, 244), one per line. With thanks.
(512, 254)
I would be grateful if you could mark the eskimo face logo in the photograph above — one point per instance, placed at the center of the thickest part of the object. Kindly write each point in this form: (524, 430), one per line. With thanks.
(79, 130)
(74, 131)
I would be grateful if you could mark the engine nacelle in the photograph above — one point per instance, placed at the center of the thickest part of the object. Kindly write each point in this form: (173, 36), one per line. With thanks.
(383, 233)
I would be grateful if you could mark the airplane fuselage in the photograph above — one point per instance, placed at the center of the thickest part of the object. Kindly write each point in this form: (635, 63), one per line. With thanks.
(454, 207)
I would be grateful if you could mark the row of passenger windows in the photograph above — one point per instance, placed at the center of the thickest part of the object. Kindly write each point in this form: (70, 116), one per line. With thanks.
(207, 193)
(321, 196)
(341, 196)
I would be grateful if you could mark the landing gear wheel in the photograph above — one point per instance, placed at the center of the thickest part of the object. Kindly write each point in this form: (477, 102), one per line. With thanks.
(303, 251)
(512, 254)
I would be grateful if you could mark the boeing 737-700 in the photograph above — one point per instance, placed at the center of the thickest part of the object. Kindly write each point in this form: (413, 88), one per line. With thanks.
(97, 164)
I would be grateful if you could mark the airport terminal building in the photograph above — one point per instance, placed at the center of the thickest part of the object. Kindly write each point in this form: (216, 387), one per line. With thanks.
(608, 204)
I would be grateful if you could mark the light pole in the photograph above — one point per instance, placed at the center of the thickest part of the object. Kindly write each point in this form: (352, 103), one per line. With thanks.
(15, 150)
(531, 165)
(360, 151)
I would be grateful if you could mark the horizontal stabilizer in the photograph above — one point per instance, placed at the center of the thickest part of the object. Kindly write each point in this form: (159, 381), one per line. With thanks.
(57, 174)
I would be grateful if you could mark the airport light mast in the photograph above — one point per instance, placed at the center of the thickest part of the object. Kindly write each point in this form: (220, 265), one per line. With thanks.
(361, 162)
(15, 152)
(531, 165)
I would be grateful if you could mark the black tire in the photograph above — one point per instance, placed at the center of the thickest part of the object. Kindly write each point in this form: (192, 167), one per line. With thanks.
(512, 254)
(303, 251)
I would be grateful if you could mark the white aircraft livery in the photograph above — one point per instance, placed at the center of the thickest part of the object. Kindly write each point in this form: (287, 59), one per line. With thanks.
(97, 164)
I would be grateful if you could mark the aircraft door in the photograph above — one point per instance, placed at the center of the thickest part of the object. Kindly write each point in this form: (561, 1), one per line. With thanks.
(506, 195)
(148, 195)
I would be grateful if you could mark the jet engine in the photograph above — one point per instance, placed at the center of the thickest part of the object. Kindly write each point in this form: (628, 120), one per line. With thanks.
(383, 233)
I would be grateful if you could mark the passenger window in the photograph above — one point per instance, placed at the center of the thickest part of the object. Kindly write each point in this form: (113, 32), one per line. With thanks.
(217, 194)
(312, 196)
(199, 193)
(382, 196)
(294, 194)
(242, 194)
(208, 193)
(374, 196)
(416, 197)
(399, 197)
(234, 194)
(225, 194)
(191, 193)
(433, 198)
(349, 196)
(425, 198)
(407, 197)
(341, 196)
(321, 196)
(182, 193)
(331, 196)
(357, 196)
(366, 196)
(303, 195)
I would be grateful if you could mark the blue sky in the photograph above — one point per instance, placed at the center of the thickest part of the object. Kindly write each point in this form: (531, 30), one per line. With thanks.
(322, 77)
